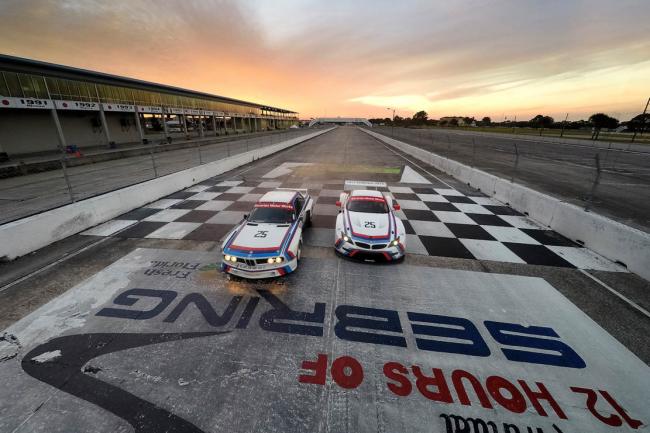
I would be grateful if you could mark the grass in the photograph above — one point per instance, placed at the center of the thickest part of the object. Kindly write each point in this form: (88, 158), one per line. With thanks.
(568, 133)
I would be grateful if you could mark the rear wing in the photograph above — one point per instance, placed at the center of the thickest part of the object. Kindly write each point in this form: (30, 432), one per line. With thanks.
(304, 191)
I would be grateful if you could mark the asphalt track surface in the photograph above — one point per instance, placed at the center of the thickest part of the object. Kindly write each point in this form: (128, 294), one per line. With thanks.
(144, 334)
(566, 171)
(22, 196)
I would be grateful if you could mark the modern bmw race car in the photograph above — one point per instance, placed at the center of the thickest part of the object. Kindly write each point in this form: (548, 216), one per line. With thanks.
(367, 228)
(267, 243)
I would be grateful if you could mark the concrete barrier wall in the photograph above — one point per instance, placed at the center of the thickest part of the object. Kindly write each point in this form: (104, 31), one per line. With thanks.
(606, 237)
(23, 236)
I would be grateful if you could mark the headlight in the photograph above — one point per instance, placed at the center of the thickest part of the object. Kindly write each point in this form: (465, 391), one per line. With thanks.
(345, 237)
(272, 260)
(226, 258)
(278, 260)
(395, 242)
(233, 258)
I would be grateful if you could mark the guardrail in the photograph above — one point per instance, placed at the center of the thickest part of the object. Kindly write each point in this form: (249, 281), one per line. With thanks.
(78, 176)
(611, 181)
(611, 239)
(25, 235)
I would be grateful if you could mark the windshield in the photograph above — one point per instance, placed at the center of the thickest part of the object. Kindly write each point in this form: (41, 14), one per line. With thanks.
(368, 206)
(272, 215)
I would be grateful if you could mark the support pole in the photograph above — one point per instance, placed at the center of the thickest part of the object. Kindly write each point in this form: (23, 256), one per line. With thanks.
(201, 126)
(164, 122)
(139, 125)
(514, 171)
(62, 142)
(62, 147)
(643, 120)
(102, 117)
(184, 122)
(214, 124)
(564, 124)
(590, 197)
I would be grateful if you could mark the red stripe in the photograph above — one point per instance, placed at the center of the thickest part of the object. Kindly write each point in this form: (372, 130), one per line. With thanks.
(241, 248)
(353, 252)
(388, 257)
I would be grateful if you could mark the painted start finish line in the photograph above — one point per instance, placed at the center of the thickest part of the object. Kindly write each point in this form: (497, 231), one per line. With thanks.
(162, 341)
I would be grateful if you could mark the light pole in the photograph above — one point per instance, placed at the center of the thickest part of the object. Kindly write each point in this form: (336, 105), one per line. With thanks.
(392, 123)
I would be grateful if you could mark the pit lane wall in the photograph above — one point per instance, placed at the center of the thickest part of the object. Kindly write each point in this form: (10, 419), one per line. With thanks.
(26, 235)
(611, 239)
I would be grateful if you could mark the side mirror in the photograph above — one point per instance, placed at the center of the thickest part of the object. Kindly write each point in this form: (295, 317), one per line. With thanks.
(338, 203)
(396, 206)
(245, 216)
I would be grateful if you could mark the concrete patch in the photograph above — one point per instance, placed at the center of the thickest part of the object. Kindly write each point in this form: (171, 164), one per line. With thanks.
(162, 341)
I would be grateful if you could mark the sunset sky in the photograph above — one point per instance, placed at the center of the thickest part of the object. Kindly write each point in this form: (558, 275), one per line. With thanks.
(356, 58)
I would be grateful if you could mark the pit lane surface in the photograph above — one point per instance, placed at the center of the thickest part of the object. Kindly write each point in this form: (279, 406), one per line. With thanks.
(161, 340)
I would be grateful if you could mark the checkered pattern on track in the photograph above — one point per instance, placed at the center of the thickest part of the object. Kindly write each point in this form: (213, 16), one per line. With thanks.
(439, 222)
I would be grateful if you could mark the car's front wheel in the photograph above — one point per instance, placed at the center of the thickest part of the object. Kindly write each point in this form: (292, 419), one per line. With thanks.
(299, 252)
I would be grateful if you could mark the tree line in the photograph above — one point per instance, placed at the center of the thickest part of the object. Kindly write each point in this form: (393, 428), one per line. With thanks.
(596, 122)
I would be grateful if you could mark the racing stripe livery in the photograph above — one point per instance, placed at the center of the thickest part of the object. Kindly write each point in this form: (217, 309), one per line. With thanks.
(267, 243)
(367, 227)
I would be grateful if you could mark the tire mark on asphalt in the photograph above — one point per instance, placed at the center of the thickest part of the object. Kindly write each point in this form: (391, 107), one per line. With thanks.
(67, 373)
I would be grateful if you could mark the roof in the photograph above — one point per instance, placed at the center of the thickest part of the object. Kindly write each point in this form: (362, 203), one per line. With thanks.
(366, 193)
(37, 67)
(278, 196)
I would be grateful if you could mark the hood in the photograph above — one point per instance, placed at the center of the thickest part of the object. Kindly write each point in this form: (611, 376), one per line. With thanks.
(370, 224)
(266, 237)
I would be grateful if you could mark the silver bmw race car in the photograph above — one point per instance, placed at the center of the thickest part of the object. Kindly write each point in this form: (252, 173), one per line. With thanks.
(367, 228)
(268, 242)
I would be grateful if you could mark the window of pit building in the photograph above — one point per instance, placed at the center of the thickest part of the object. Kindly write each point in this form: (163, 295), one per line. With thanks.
(13, 85)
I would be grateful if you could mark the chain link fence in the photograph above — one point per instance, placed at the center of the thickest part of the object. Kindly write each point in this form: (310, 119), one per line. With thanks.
(64, 177)
(614, 182)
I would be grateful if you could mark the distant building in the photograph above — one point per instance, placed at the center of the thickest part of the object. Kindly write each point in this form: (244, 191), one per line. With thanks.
(44, 107)
(460, 121)
(339, 121)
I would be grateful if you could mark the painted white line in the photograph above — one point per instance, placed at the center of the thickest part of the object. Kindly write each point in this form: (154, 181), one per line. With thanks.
(619, 295)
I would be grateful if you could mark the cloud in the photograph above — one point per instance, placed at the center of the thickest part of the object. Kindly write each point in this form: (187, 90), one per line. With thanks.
(351, 58)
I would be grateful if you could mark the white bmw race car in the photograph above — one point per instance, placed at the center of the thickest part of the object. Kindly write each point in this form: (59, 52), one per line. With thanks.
(267, 243)
(367, 228)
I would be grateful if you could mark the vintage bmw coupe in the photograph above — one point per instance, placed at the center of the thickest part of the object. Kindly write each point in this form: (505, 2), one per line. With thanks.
(267, 242)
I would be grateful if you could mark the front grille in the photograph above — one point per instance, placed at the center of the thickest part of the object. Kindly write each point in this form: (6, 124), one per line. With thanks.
(363, 245)
(378, 246)
(249, 262)
(365, 256)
